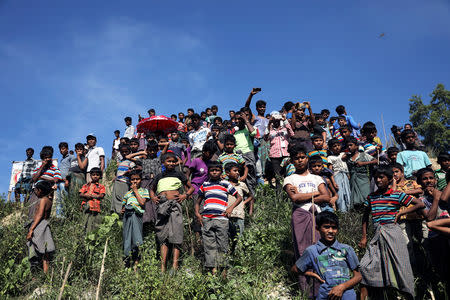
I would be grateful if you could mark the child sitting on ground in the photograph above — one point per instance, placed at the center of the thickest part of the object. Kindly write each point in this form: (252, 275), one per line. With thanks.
(316, 168)
(339, 167)
(92, 193)
(214, 218)
(304, 189)
(166, 192)
(332, 262)
(386, 262)
(40, 242)
(237, 216)
(132, 209)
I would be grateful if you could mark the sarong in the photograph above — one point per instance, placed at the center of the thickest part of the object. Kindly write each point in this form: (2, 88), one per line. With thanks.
(386, 261)
(250, 162)
(119, 190)
(169, 222)
(41, 243)
(344, 192)
(132, 231)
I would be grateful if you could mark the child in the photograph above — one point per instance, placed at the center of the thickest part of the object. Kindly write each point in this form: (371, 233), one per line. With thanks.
(386, 262)
(214, 218)
(317, 142)
(120, 185)
(237, 216)
(392, 153)
(332, 262)
(228, 156)
(316, 168)
(444, 161)
(358, 164)
(412, 159)
(304, 189)
(92, 193)
(371, 143)
(132, 209)
(337, 164)
(116, 143)
(40, 242)
(134, 145)
(166, 192)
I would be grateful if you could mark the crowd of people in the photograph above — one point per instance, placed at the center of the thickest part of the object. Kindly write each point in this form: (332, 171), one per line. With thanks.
(324, 164)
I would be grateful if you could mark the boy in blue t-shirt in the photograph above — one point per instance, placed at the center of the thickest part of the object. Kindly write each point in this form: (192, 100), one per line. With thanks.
(334, 264)
(412, 159)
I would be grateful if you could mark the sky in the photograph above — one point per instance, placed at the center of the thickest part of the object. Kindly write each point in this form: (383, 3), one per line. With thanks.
(69, 68)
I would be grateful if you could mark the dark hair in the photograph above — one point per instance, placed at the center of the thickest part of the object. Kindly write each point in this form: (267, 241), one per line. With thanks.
(173, 116)
(46, 151)
(195, 117)
(316, 137)
(214, 164)
(398, 166)
(124, 146)
(340, 109)
(327, 217)
(208, 108)
(134, 140)
(63, 145)
(333, 141)
(332, 119)
(368, 128)
(79, 146)
(152, 145)
(405, 133)
(127, 119)
(96, 170)
(216, 127)
(385, 171)
(288, 105)
(210, 146)
(231, 110)
(218, 119)
(116, 131)
(151, 110)
(443, 157)
(345, 127)
(318, 116)
(315, 159)
(190, 109)
(351, 139)
(391, 150)
(45, 186)
(135, 172)
(30, 149)
(295, 149)
(342, 117)
(230, 166)
(325, 111)
(260, 103)
(229, 138)
(214, 106)
(167, 155)
(421, 172)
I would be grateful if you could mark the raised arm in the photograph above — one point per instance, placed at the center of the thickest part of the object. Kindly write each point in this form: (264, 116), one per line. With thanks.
(250, 96)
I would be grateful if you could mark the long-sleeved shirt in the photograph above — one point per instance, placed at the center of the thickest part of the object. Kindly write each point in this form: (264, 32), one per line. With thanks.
(279, 140)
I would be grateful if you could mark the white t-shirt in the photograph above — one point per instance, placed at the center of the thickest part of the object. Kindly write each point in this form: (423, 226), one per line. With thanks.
(93, 156)
(198, 138)
(338, 164)
(305, 184)
(129, 132)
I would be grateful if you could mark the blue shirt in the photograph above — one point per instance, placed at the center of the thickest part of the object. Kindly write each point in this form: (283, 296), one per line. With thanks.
(64, 164)
(412, 161)
(333, 264)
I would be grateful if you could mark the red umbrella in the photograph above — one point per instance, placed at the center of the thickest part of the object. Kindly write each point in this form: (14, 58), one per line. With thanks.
(157, 123)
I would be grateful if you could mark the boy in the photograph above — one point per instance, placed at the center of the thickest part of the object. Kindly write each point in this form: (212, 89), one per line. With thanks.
(198, 136)
(228, 156)
(116, 143)
(23, 185)
(214, 218)
(95, 155)
(316, 168)
(166, 192)
(64, 166)
(237, 216)
(176, 146)
(317, 142)
(120, 185)
(134, 145)
(412, 159)
(332, 262)
(444, 161)
(386, 262)
(92, 193)
(340, 173)
(129, 131)
(132, 209)
(40, 242)
(304, 190)
(358, 164)
(371, 144)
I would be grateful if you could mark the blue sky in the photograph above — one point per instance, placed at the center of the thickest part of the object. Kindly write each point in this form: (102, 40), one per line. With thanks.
(71, 68)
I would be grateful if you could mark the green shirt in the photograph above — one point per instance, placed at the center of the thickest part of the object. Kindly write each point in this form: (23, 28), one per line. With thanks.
(130, 201)
(243, 141)
(440, 177)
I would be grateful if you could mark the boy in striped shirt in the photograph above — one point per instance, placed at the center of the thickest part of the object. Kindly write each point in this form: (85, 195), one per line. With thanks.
(214, 218)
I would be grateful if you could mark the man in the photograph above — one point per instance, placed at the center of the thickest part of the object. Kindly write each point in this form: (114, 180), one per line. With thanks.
(129, 131)
(95, 155)
(23, 185)
(197, 137)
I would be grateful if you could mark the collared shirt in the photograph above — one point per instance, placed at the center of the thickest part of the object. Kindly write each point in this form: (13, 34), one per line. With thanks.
(131, 202)
(261, 124)
(27, 168)
(279, 140)
(384, 207)
(93, 156)
(65, 163)
(129, 132)
(334, 264)
(95, 190)
(216, 194)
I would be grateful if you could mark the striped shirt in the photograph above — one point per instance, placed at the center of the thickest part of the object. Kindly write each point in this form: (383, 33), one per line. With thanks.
(216, 194)
(384, 207)
(323, 154)
(131, 202)
(122, 169)
(50, 174)
(371, 148)
(226, 158)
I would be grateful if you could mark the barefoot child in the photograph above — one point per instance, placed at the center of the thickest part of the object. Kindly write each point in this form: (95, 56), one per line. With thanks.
(40, 242)
(332, 262)
(316, 168)
(214, 218)
(133, 208)
(167, 193)
(340, 170)
(386, 261)
(92, 193)
(304, 189)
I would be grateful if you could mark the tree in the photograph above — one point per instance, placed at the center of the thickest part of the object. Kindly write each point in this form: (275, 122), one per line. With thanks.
(432, 121)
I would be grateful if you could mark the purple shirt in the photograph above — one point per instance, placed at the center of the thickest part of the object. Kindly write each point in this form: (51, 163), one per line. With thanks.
(199, 170)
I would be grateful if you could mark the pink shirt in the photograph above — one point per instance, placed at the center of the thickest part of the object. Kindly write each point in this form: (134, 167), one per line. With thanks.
(278, 138)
